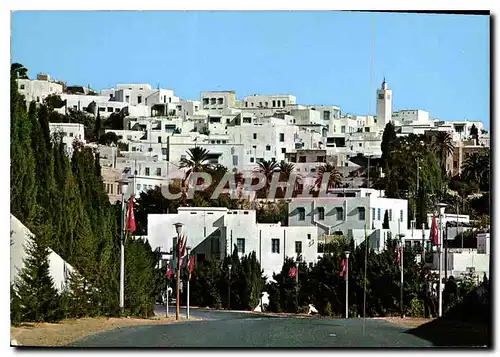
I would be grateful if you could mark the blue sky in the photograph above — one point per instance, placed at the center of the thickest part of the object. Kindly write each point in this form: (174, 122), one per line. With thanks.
(439, 63)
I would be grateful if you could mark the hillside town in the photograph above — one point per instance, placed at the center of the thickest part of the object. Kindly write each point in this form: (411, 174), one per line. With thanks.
(400, 182)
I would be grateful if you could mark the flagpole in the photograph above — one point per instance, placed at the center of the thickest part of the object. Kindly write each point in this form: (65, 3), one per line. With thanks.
(401, 251)
(347, 285)
(442, 207)
(297, 283)
(122, 257)
(189, 278)
(169, 275)
(364, 289)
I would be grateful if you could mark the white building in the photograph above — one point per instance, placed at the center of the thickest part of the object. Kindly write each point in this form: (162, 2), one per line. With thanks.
(327, 112)
(20, 238)
(364, 143)
(264, 140)
(137, 94)
(212, 232)
(218, 100)
(228, 154)
(349, 212)
(410, 116)
(100, 104)
(38, 89)
(69, 132)
(269, 101)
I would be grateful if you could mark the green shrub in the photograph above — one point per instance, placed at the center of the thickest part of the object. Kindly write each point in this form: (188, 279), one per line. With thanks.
(416, 308)
(328, 309)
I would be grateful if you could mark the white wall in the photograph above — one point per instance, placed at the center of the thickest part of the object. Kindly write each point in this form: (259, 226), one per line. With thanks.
(268, 101)
(351, 219)
(38, 90)
(218, 99)
(264, 141)
(20, 237)
(228, 226)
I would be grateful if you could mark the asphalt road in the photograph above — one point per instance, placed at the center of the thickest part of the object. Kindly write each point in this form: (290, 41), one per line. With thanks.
(233, 329)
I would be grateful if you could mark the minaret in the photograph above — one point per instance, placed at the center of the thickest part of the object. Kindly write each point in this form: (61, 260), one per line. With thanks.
(384, 105)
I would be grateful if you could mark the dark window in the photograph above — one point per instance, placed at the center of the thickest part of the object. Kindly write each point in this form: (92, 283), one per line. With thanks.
(139, 99)
(268, 147)
(147, 171)
(159, 140)
(282, 137)
(283, 150)
(302, 159)
(378, 213)
(274, 103)
(254, 136)
(321, 213)
(275, 248)
(22, 86)
(361, 213)
(158, 171)
(298, 247)
(373, 214)
(340, 214)
(240, 242)
(302, 213)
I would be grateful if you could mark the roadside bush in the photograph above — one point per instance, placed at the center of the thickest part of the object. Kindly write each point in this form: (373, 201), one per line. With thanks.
(416, 308)
(328, 309)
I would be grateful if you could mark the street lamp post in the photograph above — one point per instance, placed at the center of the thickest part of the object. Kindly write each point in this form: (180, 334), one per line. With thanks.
(299, 258)
(188, 249)
(401, 292)
(178, 229)
(168, 281)
(347, 284)
(442, 207)
(229, 287)
(124, 189)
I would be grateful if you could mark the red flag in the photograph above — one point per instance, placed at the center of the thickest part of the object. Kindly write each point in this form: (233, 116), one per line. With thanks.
(169, 273)
(397, 259)
(292, 272)
(434, 231)
(129, 218)
(343, 267)
(190, 264)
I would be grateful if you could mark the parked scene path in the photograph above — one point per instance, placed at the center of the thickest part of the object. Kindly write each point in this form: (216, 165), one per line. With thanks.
(237, 329)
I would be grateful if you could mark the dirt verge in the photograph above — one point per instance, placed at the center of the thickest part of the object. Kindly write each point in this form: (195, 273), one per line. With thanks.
(67, 331)
(410, 322)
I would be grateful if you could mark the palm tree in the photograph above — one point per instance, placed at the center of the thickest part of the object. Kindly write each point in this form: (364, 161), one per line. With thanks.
(286, 170)
(267, 168)
(334, 180)
(443, 145)
(197, 162)
(476, 168)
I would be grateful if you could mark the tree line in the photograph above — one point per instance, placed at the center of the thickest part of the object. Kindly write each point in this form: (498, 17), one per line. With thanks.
(321, 285)
(63, 202)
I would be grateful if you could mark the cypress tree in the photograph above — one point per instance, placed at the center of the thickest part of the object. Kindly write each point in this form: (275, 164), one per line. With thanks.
(385, 224)
(23, 189)
(38, 298)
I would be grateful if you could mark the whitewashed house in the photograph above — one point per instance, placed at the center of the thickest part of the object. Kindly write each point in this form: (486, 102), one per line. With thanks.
(212, 232)
(349, 212)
